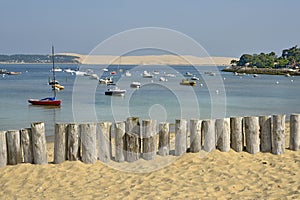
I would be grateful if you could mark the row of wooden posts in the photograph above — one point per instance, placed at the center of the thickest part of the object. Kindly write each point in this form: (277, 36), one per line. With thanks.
(91, 141)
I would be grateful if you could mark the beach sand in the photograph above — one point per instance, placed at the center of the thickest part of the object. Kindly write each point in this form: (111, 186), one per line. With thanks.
(153, 60)
(229, 175)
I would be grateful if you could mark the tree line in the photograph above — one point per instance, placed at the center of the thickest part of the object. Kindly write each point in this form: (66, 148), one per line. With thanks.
(22, 58)
(289, 58)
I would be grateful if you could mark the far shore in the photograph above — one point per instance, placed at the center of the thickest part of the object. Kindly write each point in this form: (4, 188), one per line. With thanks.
(150, 60)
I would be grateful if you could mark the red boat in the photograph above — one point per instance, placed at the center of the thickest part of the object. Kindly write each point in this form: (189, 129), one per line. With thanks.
(45, 102)
(48, 101)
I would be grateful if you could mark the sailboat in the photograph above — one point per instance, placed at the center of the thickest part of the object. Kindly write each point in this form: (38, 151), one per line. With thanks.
(48, 101)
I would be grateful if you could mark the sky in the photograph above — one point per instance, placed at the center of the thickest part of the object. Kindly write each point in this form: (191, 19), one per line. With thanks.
(222, 27)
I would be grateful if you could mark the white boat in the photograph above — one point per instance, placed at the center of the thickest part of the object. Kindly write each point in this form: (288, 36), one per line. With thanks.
(210, 73)
(188, 74)
(127, 73)
(147, 75)
(107, 80)
(163, 79)
(57, 69)
(69, 71)
(135, 84)
(79, 73)
(155, 72)
(94, 76)
(115, 92)
(255, 75)
(194, 78)
(106, 70)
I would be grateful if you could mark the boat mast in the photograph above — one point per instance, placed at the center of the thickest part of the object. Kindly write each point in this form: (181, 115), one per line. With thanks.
(53, 71)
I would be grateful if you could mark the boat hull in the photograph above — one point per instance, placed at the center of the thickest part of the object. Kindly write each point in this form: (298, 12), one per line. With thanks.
(45, 102)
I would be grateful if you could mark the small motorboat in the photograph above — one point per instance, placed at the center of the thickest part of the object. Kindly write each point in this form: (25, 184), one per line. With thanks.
(194, 78)
(255, 75)
(135, 85)
(147, 74)
(163, 79)
(113, 72)
(188, 82)
(106, 80)
(49, 101)
(155, 72)
(57, 87)
(188, 74)
(57, 69)
(115, 92)
(127, 73)
(14, 73)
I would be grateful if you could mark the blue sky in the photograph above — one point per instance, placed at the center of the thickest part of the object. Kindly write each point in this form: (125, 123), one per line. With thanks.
(222, 27)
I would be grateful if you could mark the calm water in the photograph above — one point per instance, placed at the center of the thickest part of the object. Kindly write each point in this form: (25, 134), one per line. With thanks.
(84, 100)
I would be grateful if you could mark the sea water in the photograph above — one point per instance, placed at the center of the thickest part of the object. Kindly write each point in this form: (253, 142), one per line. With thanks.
(216, 95)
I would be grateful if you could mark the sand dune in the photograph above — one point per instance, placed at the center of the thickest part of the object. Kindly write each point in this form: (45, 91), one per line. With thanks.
(219, 175)
(152, 60)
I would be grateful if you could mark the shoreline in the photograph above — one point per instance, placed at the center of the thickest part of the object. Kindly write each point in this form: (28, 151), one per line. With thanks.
(267, 71)
(145, 60)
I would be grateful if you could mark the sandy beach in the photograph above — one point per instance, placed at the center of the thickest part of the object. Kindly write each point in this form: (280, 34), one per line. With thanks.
(152, 60)
(218, 175)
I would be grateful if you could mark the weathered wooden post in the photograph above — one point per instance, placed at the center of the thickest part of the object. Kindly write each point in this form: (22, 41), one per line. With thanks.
(14, 154)
(104, 140)
(60, 143)
(164, 139)
(26, 144)
(73, 142)
(180, 137)
(132, 139)
(195, 135)
(149, 139)
(252, 134)
(208, 130)
(265, 124)
(295, 132)
(278, 137)
(236, 134)
(39, 147)
(223, 134)
(88, 140)
(119, 141)
(3, 149)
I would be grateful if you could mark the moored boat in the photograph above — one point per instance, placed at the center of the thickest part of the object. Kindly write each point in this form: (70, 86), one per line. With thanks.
(147, 74)
(135, 84)
(49, 101)
(115, 92)
(187, 82)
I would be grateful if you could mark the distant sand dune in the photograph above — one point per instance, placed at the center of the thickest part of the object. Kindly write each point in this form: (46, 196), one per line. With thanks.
(152, 60)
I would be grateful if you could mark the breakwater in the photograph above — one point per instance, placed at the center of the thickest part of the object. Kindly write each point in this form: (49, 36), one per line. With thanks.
(134, 139)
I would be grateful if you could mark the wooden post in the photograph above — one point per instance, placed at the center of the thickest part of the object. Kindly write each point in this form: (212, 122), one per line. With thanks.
(132, 146)
(88, 140)
(164, 139)
(132, 139)
(236, 134)
(278, 137)
(208, 129)
(265, 125)
(119, 141)
(60, 143)
(26, 144)
(295, 132)
(3, 149)
(149, 139)
(14, 154)
(223, 134)
(252, 134)
(73, 142)
(104, 140)
(180, 137)
(195, 135)
(39, 147)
